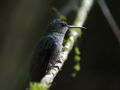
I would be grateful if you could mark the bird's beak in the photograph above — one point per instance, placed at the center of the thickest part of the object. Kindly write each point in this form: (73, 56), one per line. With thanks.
(70, 26)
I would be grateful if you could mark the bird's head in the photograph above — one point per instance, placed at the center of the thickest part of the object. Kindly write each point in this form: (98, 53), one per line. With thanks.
(60, 26)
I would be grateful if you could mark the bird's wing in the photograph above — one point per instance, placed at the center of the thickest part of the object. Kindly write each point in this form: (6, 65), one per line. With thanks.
(41, 58)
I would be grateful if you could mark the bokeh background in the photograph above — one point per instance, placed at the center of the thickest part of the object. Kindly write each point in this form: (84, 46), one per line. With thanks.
(23, 22)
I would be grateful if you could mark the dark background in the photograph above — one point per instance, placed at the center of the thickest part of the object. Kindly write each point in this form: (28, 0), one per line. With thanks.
(22, 22)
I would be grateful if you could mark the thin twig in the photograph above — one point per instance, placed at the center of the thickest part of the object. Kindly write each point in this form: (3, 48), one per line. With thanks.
(109, 18)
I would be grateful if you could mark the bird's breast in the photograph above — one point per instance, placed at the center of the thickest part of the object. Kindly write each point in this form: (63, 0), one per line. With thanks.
(58, 37)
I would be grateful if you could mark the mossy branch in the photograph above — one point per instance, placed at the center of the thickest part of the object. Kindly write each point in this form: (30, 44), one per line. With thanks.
(73, 35)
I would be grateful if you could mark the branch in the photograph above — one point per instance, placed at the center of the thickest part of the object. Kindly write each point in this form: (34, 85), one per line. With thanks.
(109, 18)
(74, 34)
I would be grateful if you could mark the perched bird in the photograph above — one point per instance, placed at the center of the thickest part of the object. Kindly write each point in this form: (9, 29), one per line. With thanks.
(48, 49)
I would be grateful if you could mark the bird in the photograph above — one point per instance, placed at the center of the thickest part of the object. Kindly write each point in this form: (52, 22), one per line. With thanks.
(48, 49)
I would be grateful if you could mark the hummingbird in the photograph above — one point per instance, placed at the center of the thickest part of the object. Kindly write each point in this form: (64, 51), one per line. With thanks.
(48, 49)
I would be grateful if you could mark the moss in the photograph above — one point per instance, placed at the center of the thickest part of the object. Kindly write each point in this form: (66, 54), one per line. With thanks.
(61, 57)
(68, 40)
(77, 67)
(37, 86)
(77, 58)
(64, 48)
(74, 74)
(62, 17)
(77, 51)
(64, 41)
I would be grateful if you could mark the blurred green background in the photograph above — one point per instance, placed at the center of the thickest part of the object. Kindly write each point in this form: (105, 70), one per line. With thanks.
(22, 22)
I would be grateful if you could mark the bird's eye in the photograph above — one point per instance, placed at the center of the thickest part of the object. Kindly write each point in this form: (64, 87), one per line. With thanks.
(63, 25)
